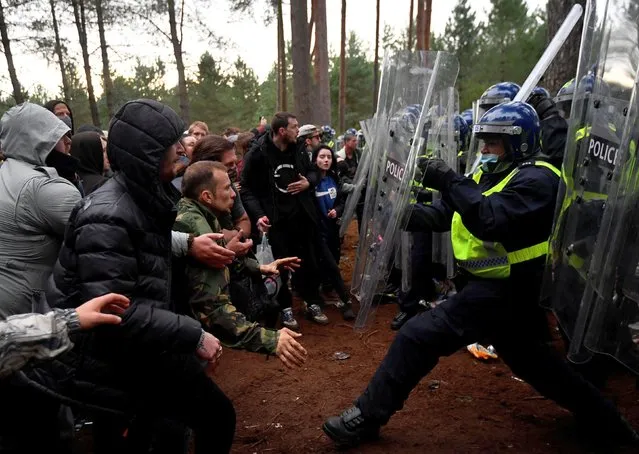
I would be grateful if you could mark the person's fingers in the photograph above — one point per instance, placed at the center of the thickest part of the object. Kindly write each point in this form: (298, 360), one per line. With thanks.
(114, 309)
(299, 348)
(292, 357)
(214, 236)
(108, 319)
(284, 360)
(299, 357)
(110, 298)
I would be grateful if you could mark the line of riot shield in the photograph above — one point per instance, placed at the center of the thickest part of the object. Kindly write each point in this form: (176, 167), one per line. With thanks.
(355, 198)
(386, 88)
(400, 126)
(608, 321)
(606, 71)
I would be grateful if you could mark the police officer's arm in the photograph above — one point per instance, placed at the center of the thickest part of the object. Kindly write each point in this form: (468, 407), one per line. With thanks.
(528, 197)
(435, 217)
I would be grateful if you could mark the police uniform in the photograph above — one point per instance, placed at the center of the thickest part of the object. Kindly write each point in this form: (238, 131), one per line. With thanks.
(500, 225)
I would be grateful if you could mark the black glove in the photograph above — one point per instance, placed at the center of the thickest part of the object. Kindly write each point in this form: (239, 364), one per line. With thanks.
(437, 174)
(544, 106)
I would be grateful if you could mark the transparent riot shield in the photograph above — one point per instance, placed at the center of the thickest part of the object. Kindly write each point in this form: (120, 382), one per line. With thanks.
(400, 126)
(359, 181)
(606, 71)
(608, 321)
(387, 82)
(442, 144)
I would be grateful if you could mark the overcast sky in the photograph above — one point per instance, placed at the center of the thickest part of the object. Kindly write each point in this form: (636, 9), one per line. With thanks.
(252, 40)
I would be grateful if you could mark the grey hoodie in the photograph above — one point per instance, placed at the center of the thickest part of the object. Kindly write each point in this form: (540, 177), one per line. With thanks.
(35, 204)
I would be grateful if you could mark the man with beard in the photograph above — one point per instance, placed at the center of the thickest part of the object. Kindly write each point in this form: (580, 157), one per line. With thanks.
(119, 240)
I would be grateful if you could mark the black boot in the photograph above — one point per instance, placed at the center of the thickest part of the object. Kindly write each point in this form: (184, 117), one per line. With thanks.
(400, 318)
(350, 428)
(346, 308)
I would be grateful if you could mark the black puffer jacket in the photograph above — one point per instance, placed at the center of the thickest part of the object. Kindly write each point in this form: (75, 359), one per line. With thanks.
(119, 238)
(258, 184)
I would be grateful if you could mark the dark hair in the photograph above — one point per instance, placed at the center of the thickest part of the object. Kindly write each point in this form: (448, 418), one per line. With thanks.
(332, 171)
(242, 143)
(348, 137)
(200, 176)
(211, 148)
(280, 120)
(231, 131)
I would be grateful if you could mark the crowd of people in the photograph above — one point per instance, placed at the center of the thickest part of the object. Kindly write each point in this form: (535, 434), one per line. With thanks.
(128, 257)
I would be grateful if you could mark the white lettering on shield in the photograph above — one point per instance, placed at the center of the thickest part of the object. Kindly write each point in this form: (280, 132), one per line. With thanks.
(603, 150)
(394, 169)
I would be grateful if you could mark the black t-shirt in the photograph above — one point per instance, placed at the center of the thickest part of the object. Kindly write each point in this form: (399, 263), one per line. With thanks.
(285, 172)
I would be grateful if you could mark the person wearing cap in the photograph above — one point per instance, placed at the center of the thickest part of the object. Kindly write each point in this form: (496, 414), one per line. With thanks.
(308, 138)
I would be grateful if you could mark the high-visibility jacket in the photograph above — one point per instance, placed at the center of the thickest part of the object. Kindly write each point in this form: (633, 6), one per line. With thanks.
(489, 259)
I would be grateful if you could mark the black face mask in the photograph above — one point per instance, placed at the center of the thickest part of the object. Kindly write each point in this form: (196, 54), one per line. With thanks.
(66, 165)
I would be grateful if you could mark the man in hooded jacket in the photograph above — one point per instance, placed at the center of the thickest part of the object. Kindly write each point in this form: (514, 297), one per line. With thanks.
(119, 240)
(35, 202)
(87, 148)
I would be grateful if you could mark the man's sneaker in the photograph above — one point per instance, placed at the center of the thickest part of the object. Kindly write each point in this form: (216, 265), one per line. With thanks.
(288, 320)
(350, 428)
(346, 308)
(400, 318)
(314, 312)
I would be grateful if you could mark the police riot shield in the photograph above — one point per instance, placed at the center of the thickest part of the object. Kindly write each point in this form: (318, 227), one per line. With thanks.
(355, 200)
(400, 136)
(608, 321)
(606, 70)
(442, 144)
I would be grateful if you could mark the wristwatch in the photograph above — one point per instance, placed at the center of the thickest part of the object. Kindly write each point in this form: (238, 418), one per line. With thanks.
(189, 242)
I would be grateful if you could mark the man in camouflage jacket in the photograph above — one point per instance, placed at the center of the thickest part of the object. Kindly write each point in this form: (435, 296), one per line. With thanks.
(208, 195)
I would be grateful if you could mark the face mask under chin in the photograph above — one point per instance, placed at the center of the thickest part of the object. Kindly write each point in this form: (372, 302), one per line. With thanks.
(491, 163)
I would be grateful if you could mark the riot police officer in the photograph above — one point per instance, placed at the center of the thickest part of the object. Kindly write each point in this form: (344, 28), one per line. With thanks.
(500, 222)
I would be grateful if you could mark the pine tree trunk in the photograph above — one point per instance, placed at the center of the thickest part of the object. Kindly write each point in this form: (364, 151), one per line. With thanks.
(176, 41)
(427, 12)
(419, 26)
(281, 61)
(6, 44)
(376, 63)
(342, 72)
(80, 23)
(301, 61)
(106, 73)
(410, 26)
(564, 66)
(322, 109)
(58, 52)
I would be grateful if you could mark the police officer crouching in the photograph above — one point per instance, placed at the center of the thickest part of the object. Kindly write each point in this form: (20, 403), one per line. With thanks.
(500, 222)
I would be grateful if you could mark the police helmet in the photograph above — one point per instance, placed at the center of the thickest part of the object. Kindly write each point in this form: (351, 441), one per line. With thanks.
(464, 132)
(499, 93)
(563, 100)
(540, 91)
(518, 125)
(351, 131)
(467, 115)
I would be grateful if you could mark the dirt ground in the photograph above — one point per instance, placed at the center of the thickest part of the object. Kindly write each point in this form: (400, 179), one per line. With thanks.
(464, 405)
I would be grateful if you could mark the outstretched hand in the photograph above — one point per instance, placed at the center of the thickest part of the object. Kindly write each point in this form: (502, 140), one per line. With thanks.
(288, 350)
(103, 310)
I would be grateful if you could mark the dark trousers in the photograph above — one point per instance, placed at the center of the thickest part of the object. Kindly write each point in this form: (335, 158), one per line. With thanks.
(484, 310)
(297, 237)
(422, 286)
(30, 422)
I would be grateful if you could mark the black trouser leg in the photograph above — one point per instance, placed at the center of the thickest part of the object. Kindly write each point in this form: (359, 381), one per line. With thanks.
(420, 343)
(422, 286)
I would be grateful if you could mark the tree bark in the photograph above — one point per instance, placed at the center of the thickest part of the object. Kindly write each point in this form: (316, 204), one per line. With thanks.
(80, 23)
(427, 12)
(342, 72)
(376, 62)
(282, 104)
(106, 73)
(564, 66)
(322, 109)
(301, 60)
(176, 41)
(6, 44)
(410, 26)
(58, 52)
(419, 26)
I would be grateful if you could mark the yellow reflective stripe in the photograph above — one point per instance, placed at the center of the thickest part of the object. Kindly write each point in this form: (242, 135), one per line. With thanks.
(581, 133)
(576, 262)
(529, 253)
